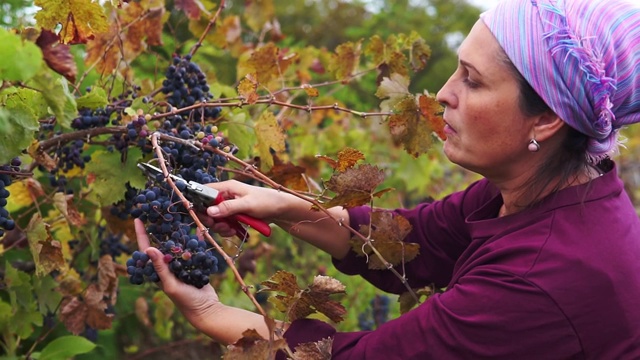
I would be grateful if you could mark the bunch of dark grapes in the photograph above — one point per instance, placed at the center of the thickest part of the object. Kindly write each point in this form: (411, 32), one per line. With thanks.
(6, 223)
(111, 244)
(140, 268)
(89, 119)
(376, 315)
(186, 85)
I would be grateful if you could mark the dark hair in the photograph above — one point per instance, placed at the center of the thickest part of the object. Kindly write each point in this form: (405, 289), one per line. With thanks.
(567, 163)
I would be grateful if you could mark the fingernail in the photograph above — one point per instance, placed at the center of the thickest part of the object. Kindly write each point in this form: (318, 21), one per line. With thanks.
(153, 255)
(213, 211)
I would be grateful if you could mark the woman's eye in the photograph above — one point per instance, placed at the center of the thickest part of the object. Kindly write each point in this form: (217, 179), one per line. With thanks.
(469, 83)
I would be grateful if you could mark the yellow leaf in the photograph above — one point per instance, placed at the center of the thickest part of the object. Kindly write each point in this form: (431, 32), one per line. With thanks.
(345, 60)
(258, 12)
(81, 20)
(270, 137)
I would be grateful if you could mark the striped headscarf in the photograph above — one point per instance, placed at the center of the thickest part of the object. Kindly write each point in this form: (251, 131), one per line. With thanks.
(581, 56)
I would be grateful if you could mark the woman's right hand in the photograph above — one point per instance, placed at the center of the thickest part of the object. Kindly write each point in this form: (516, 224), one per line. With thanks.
(262, 203)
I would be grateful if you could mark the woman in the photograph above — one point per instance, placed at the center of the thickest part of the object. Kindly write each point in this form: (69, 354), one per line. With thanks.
(541, 258)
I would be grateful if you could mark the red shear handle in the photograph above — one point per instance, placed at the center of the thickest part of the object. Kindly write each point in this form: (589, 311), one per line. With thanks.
(235, 220)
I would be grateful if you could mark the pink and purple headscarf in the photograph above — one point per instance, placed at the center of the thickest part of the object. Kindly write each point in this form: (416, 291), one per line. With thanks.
(581, 56)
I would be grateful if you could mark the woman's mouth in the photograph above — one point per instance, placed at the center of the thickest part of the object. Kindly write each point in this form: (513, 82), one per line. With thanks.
(448, 129)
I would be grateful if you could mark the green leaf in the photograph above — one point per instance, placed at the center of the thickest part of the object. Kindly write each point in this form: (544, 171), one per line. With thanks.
(18, 125)
(20, 60)
(240, 133)
(47, 294)
(95, 99)
(56, 93)
(112, 175)
(5, 315)
(66, 347)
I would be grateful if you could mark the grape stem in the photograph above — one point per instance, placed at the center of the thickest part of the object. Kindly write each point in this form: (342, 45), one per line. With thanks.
(212, 21)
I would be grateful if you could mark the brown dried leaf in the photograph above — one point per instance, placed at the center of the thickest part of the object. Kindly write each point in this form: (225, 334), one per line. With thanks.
(64, 204)
(73, 314)
(247, 88)
(40, 157)
(376, 49)
(57, 56)
(432, 110)
(268, 63)
(270, 137)
(118, 226)
(46, 252)
(420, 52)
(96, 316)
(408, 128)
(142, 311)
(319, 350)
(51, 257)
(253, 346)
(347, 158)
(192, 8)
(289, 176)
(34, 188)
(70, 283)
(107, 278)
(363, 179)
(298, 303)
(407, 302)
(387, 232)
(344, 62)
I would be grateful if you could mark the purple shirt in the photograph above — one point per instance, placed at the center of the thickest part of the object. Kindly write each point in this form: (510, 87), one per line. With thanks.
(557, 281)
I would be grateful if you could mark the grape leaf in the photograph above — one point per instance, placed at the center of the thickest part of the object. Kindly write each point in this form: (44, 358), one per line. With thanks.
(96, 98)
(81, 20)
(107, 278)
(47, 294)
(18, 124)
(387, 233)
(64, 204)
(432, 110)
(407, 302)
(319, 350)
(56, 55)
(94, 299)
(289, 176)
(247, 89)
(408, 128)
(46, 252)
(310, 90)
(376, 49)
(257, 13)
(270, 137)
(253, 346)
(112, 175)
(21, 60)
(162, 315)
(142, 311)
(73, 314)
(299, 303)
(347, 158)
(24, 310)
(56, 93)
(420, 51)
(66, 347)
(393, 90)
(41, 157)
(268, 63)
(344, 62)
(193, 8)
(355, 186)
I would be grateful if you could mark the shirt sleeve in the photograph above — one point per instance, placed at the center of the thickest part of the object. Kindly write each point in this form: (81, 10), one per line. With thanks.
(440, 230)
(481, 317)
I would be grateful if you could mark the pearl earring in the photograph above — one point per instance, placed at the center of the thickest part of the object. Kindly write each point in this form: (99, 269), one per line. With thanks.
(533, 145)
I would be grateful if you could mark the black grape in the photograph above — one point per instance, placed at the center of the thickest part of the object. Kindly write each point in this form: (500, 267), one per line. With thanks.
(6, 223)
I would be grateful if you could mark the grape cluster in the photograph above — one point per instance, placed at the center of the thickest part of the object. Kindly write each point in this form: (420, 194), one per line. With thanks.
(140, 269)
(89, 118)
(376, 315)
(111, 244)
(186, 85)
(6, 223)
(71, 155)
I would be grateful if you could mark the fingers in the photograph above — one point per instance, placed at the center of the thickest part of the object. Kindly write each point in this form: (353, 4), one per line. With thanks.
(141, 235)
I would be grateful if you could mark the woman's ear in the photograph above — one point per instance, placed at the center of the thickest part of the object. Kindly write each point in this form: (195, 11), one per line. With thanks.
(547, 125)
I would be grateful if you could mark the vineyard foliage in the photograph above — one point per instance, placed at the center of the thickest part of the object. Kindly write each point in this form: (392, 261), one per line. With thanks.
(208, 91)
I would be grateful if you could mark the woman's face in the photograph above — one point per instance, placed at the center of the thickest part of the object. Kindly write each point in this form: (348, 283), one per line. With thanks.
(486, 131)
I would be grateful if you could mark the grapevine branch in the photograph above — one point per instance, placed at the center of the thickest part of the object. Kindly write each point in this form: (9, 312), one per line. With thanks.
(213, 20)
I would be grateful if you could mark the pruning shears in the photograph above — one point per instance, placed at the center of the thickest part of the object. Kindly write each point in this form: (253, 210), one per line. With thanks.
(203, 196)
